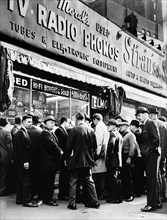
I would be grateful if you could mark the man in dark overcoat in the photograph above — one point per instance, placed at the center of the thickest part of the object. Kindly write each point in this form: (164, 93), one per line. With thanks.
(62, 134)
(6, 149)
(50, 159)
(150, 150)
(114, 162)
(34, 133)
(81, 146)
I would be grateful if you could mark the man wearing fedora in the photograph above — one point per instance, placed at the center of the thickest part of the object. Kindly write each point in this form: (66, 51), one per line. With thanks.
(114, 162)
(150, 151)
(6, 149)
(128, 149)
(153, 114)
(50, 158)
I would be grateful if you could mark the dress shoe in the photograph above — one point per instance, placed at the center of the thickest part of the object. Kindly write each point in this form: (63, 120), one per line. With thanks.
(113, 201)
(148, 208)
(93, 205)
(130, 199)
(73, 207)
(30, 204)
(51, 203)
(159, 206)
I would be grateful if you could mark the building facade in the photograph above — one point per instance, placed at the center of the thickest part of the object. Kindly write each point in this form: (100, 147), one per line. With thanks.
(64, 57)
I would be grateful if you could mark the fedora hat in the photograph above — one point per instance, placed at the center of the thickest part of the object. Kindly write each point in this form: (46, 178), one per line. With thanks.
(125, 122)
(49, 118)
(152, 111)
(112, 122)
(141, 110)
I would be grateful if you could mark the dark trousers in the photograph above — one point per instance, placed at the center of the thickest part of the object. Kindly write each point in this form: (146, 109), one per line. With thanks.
(152, 167)
(163, 181)
(138, 175)
(114, 184)
(63, 182)
(100, 180)
(85, 174)
(4, 168)
(126, 177)
(48, 179)
(23, 186)
(36, 180)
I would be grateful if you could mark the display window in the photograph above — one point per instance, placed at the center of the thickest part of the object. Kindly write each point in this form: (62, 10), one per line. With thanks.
(40, 98)
(19, 105)
(44, 103)
(79, 103)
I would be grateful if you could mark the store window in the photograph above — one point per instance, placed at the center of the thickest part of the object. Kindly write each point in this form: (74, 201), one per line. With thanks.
(21, 98)
(50, 99)
(79, 103)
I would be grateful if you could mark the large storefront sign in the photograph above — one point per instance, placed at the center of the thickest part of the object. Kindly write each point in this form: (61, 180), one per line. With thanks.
(73, 30)
(65, 28)
(142, 66)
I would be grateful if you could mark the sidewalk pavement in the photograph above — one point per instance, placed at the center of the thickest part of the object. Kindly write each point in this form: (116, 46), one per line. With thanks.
(126, 210)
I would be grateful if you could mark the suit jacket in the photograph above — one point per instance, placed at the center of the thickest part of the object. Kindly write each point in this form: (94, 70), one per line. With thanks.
(49, 150)
(22, 147)
(34, 133)
(81, 146)
(62, 136)
(150, 137)
(114, 150)
(163, 137)
(6, 146)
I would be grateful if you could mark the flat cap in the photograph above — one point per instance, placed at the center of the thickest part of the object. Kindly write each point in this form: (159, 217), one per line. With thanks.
(124, 122)
(112, 122)
(141, 110)
(49, 118)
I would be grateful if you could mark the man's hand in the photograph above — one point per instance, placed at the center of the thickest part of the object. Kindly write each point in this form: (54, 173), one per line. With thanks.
(26, 165)
(128, 161)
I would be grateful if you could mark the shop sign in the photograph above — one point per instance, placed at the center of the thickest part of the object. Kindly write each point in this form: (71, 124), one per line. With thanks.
(21, 81)
(142, 66)
(65, 28)
(83, 96)
(99, 103)
(50, 88)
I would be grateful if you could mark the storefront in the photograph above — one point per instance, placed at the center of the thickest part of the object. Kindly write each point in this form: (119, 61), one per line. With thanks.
(64, 61)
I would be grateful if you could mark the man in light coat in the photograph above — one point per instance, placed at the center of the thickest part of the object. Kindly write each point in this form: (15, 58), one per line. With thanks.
(99, 171)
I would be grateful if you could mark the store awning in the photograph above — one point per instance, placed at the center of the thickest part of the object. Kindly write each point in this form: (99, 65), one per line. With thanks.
(35, 60)
(144, 97)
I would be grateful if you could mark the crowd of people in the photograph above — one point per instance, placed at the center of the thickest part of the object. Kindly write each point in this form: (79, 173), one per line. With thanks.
(117, 161)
